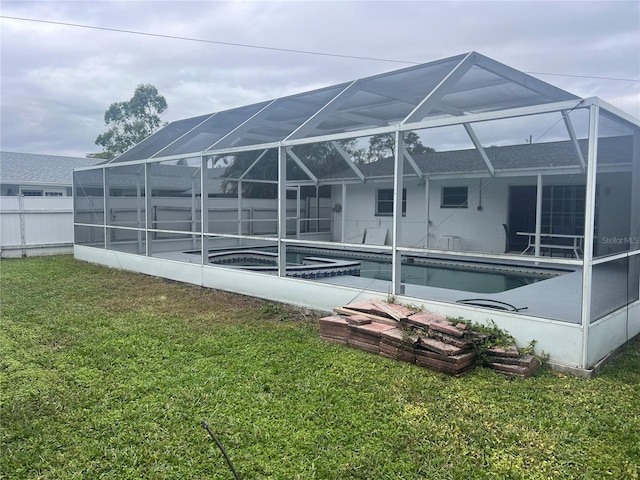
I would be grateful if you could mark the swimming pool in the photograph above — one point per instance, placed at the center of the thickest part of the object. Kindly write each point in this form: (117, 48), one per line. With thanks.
(479, 277)
(315, 263)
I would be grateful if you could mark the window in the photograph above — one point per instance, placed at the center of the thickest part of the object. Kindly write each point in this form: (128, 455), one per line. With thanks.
(44, 192)
(384, 202)
(564, 206)
(31, 193)
(454, 197)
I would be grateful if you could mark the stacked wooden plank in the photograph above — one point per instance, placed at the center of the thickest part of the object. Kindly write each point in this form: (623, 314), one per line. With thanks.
(395, 331)
(334, 329)
(510, 362)
(426, 339)
(396, 343)
(366, 336)
(442, 346)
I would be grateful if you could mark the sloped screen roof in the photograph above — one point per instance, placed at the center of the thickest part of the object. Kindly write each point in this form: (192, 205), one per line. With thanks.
(464, 84)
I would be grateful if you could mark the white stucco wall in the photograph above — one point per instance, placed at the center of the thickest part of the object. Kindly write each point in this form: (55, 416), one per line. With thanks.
(479, 230)
(479, 226)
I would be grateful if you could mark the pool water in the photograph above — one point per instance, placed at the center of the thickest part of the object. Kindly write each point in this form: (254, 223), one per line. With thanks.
(461, 277)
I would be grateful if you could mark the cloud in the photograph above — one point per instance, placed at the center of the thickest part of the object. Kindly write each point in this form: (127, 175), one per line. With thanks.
(57, 81)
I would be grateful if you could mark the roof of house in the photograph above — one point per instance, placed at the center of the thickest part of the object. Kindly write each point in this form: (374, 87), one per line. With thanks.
(537, 156)
(36, 169)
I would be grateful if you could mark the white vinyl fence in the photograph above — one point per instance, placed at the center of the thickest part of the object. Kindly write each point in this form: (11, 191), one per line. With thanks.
(35, 226)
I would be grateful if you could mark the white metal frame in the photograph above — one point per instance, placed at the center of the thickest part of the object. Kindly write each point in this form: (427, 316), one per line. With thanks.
(558, 101)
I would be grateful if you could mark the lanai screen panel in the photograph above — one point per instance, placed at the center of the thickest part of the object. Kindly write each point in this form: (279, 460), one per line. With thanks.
(159, 140)
(379, 101)
(487, 86)
(481, 90)
(208, 133)
(280, 118)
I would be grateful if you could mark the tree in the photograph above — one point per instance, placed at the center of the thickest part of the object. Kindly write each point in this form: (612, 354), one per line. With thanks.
(131, 121)
(320, 158)
(382, 146)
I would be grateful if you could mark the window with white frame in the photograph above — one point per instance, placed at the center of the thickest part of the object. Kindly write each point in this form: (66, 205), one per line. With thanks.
(384, 202)
(42, 192)
(455, 197)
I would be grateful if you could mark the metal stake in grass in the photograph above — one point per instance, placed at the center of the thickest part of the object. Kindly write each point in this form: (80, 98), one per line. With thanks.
(205, 425)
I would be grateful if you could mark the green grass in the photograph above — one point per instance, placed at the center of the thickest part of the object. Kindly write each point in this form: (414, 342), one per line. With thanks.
(109, 374)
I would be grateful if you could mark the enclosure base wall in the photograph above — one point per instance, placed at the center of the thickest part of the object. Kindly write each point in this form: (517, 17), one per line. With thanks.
(560, 341)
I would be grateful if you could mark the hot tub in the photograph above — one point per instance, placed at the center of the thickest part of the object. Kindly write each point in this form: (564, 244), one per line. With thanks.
(263, 261)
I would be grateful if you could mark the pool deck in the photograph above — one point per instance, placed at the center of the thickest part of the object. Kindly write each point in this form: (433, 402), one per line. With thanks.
(558, 298)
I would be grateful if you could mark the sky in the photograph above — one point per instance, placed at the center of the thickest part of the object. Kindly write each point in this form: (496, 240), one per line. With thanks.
(57, 81)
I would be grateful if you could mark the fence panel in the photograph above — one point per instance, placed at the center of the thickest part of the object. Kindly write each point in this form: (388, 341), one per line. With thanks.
(35, 225)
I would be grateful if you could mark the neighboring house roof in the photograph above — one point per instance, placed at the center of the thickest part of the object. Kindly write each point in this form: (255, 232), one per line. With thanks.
(36, 169)
(537, 156)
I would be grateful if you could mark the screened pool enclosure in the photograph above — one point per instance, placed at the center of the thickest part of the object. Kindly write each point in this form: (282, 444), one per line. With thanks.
(462, 185)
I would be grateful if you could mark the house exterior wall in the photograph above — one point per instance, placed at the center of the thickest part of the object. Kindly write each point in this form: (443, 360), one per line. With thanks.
(480, 230)
(14, 189)
(479, 226)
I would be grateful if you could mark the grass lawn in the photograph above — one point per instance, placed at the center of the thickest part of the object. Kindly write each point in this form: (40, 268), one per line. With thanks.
(106, 374)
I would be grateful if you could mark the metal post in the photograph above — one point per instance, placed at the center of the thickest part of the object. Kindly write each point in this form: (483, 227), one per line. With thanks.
(204, 210)
(139, 204)
(317, 209)
(344, 213)
(396, 259)
(426, 209)
(148, 194)
(634, 222)
(194, 210)
(589, 221)
(282, 211)
(239, 187)
(107, 214)
(298, 208)
(538, 215)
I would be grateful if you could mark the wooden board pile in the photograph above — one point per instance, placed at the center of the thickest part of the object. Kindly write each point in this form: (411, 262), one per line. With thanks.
(426, 339)
(510, 362)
